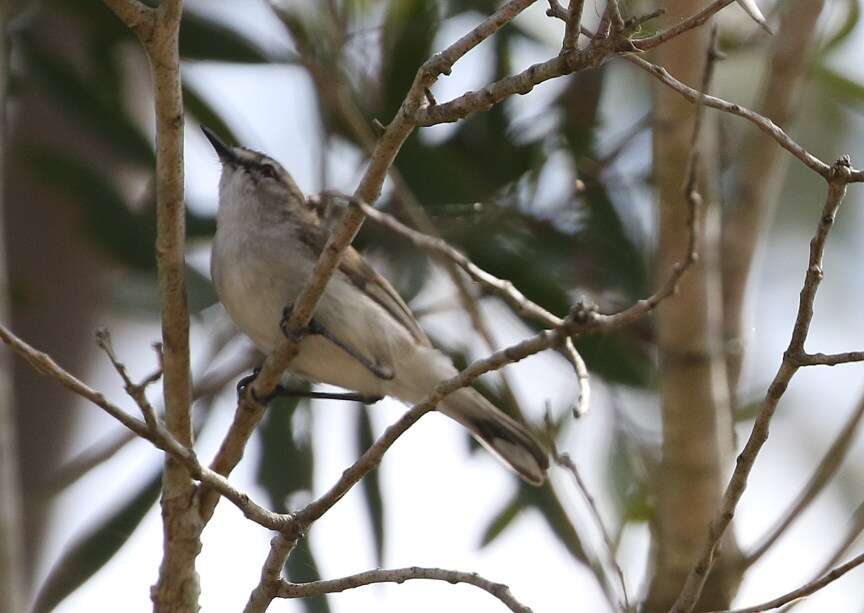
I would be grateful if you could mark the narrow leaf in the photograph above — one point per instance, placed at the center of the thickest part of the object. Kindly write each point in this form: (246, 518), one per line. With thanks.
(93, 549)
(503, 519)
(371, 484)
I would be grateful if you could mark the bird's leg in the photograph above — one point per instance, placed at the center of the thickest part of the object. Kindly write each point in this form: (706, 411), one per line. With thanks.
(284, 392)
(382, 372)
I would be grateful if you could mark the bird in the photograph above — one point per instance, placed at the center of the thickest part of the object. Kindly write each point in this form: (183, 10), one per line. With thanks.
(362, 337)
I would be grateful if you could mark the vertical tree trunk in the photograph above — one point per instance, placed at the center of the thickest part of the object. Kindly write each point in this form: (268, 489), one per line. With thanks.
(11, 538)
(697, 433)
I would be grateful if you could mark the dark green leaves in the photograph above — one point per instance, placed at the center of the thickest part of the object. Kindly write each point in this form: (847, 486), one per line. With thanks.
(371, 484)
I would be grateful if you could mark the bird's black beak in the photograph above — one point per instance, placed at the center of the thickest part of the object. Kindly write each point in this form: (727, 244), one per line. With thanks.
(226, 155)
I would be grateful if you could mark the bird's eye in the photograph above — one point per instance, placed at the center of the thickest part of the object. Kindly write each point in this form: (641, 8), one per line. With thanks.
(268, 171)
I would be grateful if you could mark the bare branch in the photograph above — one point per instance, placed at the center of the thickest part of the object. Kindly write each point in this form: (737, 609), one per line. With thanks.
(137, 391)
(839, 175)
(760, 168)
(504, 289)
(556, 10)
(400, 575)
(572, 25)
(271, 574)
(826, 469)
(804, 590)
(679, 28)
(614, 15)
(832, 359)
(763, 123)
(501, 288)
(584, 402)
(160, 437)
(564, 461)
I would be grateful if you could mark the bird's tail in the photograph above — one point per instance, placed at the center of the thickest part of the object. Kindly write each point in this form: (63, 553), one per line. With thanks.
(508, 440)
(503, 436)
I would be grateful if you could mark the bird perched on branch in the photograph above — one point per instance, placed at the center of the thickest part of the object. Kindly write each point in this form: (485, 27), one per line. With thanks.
(362, 337)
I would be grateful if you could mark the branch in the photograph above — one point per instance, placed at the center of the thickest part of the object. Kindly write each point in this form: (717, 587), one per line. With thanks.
(572, 24)
(804, 590)
(839, 176)
(823, 359)
(500, 287)
(760, 168)
(136, 391)
(580, 409)
(160, 437)
(400, 575)
(763, 123)
(694, 21)
(564, 461)
(271, 574)
(821, 476)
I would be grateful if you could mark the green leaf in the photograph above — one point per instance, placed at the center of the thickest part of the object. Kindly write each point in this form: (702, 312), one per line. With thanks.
(302, 567)
(198, 107)
(545, 499)
(841, 88)
(503, 519)
(407, 34)
(286, 463)
(93, 549)
(371, 484)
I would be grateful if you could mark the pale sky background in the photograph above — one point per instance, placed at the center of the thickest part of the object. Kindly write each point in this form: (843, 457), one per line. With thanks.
(439, 497)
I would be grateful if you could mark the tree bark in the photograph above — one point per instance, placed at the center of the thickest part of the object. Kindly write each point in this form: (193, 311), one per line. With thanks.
(697, 433)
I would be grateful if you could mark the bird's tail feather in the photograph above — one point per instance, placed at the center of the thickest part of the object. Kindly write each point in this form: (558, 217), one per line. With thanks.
(504, 437)
(508, 440)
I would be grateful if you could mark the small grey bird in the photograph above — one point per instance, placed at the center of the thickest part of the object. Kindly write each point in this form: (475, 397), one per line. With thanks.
(363, 336)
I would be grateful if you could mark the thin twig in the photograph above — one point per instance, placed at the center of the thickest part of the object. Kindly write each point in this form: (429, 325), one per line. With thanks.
(760, 168)
(763, 123)
(400, 575)
(160, 437)
(804, 590)
(564, 461)
(500, 287)
(572, 25)
(839, 176)
(137, 391)
(504, 289)
(615, 15)
(852, 533)
(583, 404)
(694, 21)
(825, 470)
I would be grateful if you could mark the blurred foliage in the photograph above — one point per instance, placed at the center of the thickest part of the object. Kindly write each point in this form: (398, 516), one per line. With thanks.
(479, 185)
(285, 470)
(89, 551)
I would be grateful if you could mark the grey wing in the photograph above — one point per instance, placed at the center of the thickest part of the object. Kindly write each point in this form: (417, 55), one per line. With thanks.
(379, 289)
